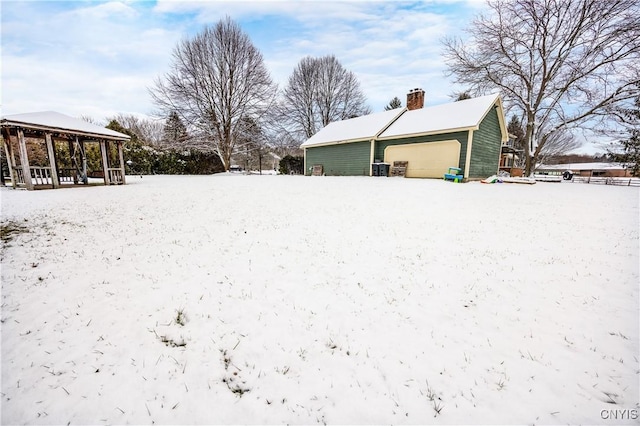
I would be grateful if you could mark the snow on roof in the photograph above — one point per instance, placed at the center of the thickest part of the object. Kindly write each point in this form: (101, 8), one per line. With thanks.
(56, 120)
(450, 116)
(359, 128)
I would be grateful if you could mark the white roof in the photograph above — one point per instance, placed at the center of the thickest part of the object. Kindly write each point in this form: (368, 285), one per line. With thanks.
(365, 127)
(581, 166)
(466, 114)
(48, 120)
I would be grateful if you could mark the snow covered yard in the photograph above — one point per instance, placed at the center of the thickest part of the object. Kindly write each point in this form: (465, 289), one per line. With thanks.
(288, 299)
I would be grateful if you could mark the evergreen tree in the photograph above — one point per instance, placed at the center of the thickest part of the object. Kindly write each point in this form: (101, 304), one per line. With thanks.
(630, 155)
(461, 96)
(630, 148)
(393, 104)
(174, 132)
(515, 128)
(290, 164)
(138, 157)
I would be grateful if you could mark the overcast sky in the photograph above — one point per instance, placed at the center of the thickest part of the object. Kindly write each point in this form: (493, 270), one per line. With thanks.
(98, 58)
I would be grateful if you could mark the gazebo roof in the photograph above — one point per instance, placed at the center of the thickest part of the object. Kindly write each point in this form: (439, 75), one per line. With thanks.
(55, 121)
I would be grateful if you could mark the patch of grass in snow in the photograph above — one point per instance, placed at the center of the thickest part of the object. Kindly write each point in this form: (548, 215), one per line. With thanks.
(169, 341)
(181, 317)
(436, 401)
(173, 343)
(233, 381)
(437, 407)
(11, 228)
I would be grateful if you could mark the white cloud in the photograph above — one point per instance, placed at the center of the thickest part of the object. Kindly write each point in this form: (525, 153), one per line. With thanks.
(110, 10)
(99, 59)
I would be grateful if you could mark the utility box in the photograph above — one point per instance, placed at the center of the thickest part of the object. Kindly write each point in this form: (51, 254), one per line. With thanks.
(380, 169)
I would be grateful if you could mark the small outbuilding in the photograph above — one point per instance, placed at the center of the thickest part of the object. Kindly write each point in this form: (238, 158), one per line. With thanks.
(467, 134)
(52, 151)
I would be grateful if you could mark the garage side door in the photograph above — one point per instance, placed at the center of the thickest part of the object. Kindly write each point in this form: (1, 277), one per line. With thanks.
(426, 160)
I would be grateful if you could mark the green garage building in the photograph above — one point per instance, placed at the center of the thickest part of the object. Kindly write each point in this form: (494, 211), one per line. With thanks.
(467, 134)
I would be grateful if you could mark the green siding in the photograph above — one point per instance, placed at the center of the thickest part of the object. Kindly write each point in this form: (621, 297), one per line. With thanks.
(485, 149)
(461, 137)
(349, 159)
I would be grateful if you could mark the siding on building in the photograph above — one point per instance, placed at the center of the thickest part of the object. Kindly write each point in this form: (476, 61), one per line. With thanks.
(485, 149)
(350, 159)
(459, 136)
(441, 123)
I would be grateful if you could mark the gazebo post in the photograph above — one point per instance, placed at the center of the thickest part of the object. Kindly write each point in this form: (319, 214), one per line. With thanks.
(24, 160)
(105, 160)
(11, 159)
(121, 156)
(52, 160)
(85, 178)
(72, 158)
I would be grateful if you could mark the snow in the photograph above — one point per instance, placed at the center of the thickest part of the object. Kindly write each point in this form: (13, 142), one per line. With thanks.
(440, 118)
(582, 166)
(52, 119)
(452, 116)
(320, 299)
(365, 127)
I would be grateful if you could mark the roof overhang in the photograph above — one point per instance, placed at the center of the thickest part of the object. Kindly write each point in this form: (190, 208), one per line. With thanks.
(303, 146)
(434, 132)
(501, 119)
(108, 134)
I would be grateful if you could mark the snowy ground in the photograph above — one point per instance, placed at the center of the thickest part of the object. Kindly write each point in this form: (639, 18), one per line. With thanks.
(287, 299)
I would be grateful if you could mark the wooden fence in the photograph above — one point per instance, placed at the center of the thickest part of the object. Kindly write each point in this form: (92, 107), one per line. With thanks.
(619, 181)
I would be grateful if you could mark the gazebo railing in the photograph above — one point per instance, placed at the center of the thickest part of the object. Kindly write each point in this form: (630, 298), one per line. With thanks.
(115, 176)
(67, 175)
(41, 175)
(19, 176)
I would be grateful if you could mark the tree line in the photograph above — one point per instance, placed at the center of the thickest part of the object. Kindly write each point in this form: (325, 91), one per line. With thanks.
(562, 66)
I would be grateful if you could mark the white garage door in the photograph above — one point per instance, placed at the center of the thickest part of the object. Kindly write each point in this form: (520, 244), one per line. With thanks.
(426, 160)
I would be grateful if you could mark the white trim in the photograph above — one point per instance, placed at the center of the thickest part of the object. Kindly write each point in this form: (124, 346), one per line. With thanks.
(393, 120)
(334, 143)
(371, 156)
(435, 132)
(467, 160)
(304, 161)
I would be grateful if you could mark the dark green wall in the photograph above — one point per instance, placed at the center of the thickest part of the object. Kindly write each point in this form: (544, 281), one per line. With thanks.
(485, 149)
(352, 159)
(349, 159)
(461, 137)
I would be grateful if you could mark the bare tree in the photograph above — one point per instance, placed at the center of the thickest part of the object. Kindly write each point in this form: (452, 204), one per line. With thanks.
(299, 101)
(561, 64)
(147, 130)
(554, 143)
(318, 92)
(217, 79)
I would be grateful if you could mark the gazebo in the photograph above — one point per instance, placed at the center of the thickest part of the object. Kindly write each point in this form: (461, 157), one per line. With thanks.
(50, 139)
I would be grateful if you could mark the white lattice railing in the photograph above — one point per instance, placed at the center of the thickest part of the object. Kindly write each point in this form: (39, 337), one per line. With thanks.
(115, 176)
(41, 175)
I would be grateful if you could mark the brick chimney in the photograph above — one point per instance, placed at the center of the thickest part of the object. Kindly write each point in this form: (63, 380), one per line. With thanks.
(415, 99)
